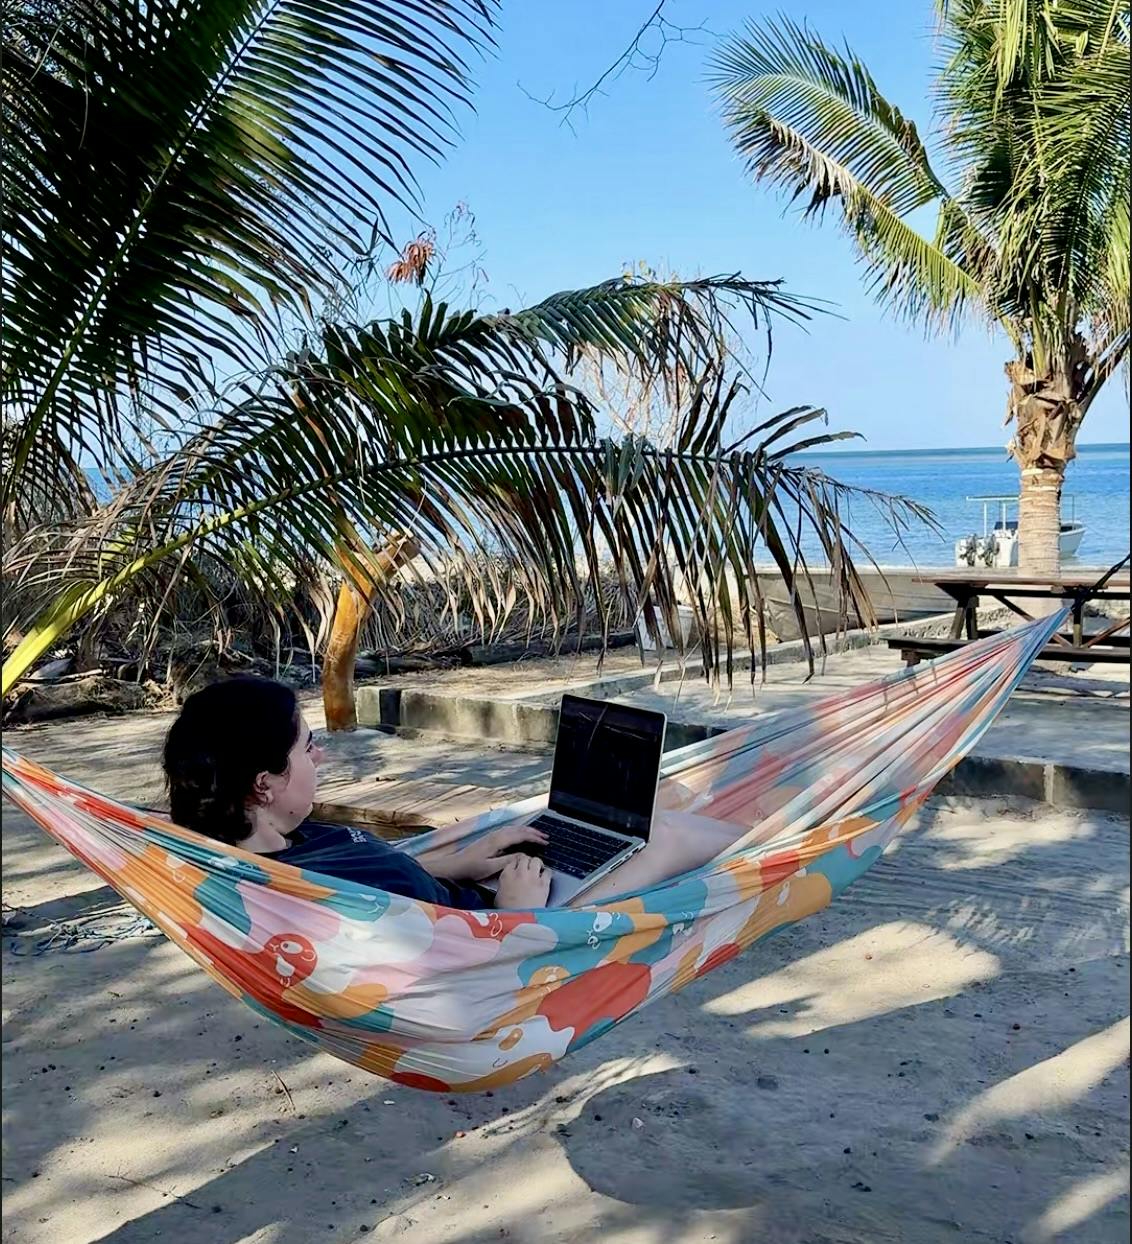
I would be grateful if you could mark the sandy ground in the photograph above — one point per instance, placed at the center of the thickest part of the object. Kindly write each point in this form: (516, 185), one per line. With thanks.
(942, 1056)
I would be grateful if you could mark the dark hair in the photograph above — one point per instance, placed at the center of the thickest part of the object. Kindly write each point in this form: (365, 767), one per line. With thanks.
(227, 733)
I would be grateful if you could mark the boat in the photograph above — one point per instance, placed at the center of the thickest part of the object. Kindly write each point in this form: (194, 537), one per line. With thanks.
(998, 545)
(894, 594)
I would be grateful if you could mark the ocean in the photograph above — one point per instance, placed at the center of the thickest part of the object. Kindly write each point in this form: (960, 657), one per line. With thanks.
(1096, 492)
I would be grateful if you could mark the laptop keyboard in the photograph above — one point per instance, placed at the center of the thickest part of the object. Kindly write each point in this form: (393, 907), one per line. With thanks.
(573, 849)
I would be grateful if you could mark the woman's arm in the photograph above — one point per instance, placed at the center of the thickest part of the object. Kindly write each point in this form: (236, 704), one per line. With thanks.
(484, 857)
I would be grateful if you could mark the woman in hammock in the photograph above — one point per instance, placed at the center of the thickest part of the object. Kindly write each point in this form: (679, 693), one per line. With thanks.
(241, 766)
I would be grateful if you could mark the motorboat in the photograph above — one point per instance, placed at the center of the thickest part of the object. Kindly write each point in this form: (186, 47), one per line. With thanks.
(997, 547)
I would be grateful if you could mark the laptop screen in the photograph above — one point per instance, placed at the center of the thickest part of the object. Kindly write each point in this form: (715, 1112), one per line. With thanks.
(606, 764)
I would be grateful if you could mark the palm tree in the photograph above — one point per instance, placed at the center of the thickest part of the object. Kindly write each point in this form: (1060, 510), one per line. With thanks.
(1032, 218)
(186, 180)
(457, 430)
(190, 185)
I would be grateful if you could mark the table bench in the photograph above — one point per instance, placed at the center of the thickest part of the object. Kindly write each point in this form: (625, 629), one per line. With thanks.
(915, 648)
(1007, 589)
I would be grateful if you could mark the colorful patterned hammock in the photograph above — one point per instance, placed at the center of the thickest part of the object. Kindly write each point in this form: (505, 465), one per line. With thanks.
(458, 1000)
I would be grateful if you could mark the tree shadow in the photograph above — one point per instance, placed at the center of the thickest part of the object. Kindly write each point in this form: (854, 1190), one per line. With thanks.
(744, 1118)
(1031, 980)
(820, 1136)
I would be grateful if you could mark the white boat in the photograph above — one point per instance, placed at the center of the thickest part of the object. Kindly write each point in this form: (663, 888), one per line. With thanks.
(997, 547)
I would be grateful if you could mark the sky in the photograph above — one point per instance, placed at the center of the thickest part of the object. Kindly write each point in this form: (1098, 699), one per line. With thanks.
(647, 173)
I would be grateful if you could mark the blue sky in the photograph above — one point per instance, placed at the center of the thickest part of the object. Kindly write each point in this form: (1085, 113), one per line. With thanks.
(648, 175)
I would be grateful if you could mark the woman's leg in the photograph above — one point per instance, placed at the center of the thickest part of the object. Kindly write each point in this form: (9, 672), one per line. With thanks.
(678, 842)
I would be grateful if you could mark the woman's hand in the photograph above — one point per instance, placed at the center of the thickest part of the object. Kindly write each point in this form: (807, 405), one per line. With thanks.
(485, 857)
(523, 882)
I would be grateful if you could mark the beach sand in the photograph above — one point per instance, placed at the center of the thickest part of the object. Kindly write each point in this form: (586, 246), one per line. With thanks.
(941, 1056)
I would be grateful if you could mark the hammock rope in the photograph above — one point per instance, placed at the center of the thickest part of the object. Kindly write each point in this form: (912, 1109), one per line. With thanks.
(450, 1000)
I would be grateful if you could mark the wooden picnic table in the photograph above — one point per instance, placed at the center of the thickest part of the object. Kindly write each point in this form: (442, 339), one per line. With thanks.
(968, 588)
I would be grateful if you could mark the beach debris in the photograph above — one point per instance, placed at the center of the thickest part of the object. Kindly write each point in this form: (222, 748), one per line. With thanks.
(145, 1183)
(78, 695)
(52, 670)
(638, 1124)
(281, 1088)
(425, 1177)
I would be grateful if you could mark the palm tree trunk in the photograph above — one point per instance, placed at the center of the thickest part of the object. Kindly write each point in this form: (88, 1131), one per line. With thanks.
(350, 611)
(1046, 414)
(341, 653)
(1039, 522)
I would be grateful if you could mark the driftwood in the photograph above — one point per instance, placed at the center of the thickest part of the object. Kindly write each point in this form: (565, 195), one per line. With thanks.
(376, 665)
(499, 654)
(51, 692)
(79, 695)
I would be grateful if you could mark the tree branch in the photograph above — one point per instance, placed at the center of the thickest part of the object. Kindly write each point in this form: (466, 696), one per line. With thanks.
(636, 55)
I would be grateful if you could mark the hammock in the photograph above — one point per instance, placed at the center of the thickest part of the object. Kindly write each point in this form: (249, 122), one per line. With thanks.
(452, 1000)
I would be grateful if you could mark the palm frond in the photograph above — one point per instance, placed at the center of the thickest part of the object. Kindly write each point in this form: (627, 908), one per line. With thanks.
(687, 323)
(181, 177)
(812, 121)
(459, 430)
(1037, 96)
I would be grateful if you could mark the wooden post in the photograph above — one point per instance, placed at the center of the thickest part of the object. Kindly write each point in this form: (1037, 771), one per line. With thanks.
(355, 597)
(1078, 620)
(972, 616)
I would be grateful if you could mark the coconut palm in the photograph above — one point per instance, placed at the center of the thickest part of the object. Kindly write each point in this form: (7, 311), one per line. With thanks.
(183, 181)
(1031, 201)
(459, 431)
(190, 186)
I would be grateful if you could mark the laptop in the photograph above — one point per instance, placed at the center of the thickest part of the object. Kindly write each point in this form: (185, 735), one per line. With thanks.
(602, 792)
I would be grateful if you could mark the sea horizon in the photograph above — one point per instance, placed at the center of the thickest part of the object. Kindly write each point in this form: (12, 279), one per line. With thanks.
(1096, 492)
(951, 450)
(947, 481)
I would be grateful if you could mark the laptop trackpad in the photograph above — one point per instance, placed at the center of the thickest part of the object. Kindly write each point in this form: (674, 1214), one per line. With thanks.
(562, 887)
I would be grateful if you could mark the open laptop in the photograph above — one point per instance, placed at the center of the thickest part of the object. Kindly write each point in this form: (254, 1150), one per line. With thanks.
(602, 792)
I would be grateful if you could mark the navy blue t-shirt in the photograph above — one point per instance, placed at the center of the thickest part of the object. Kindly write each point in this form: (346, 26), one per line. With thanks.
(353, 855)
